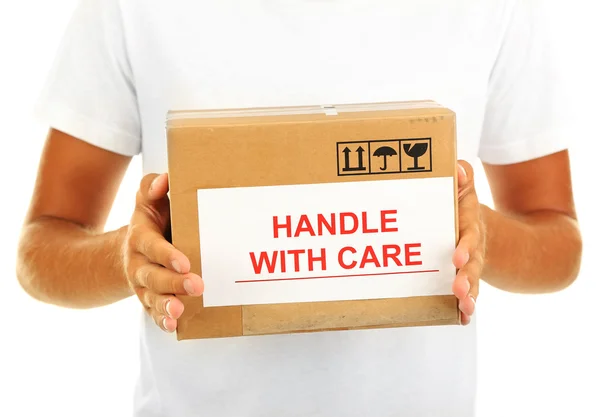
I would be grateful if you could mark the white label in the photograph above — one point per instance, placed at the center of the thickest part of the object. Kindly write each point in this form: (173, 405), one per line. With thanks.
(326, 242)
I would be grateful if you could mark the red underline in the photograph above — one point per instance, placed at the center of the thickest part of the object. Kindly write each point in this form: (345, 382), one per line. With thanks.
(338, 276)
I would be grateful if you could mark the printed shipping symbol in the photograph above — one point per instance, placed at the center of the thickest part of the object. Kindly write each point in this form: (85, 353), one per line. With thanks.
(385, 151)
(360, 166)
(415, 151)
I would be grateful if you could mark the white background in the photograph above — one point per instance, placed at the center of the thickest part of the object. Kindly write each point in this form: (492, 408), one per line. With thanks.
(538, 357)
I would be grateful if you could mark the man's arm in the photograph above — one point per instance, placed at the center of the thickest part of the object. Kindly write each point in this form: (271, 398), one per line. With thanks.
(533, 244)
(530, 242)
(64, 257)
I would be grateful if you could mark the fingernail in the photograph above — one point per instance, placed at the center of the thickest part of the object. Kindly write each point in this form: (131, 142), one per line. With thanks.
(468, 286)
(189, 287)
(460, 167)
(472, 298)
(168, 308)
(164, 324)
(176, 265)
(153, 183)
(467, 257)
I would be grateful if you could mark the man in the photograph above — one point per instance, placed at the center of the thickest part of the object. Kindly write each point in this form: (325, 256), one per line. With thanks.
(124, 63)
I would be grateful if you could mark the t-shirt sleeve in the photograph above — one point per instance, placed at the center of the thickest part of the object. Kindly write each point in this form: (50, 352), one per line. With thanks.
(527, 110)
(89, 92)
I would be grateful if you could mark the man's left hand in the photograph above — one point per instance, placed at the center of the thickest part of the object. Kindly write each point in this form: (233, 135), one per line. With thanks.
(469, 255)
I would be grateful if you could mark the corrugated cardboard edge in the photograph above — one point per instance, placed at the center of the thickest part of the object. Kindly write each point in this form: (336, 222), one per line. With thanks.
(198, 322)
(309, 317)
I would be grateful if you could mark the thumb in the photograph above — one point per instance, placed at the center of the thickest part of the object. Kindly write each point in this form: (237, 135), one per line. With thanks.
(465, 178)
(154, 187)
(152, 203)
(465, 173)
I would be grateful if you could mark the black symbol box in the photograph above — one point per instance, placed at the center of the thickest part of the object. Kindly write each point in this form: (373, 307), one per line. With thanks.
(383, 156)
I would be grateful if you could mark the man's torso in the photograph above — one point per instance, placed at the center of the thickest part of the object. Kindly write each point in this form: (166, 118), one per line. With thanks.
(189, 54)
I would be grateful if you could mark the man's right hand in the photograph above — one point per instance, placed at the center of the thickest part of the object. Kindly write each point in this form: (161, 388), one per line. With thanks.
(155, 270)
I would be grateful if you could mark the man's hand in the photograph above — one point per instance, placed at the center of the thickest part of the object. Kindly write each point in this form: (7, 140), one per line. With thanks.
(469, 255)
(155, 270)
(63, 236)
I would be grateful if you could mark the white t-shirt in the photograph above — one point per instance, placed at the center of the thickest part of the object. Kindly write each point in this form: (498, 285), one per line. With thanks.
(124, 63)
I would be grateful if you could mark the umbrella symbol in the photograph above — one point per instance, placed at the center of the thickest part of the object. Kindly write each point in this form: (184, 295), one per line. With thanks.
(385, 151)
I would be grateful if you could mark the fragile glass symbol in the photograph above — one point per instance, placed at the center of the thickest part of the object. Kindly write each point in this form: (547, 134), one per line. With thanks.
(415, 150)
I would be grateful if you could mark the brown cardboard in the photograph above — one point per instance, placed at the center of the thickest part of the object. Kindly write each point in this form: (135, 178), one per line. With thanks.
(283, 149)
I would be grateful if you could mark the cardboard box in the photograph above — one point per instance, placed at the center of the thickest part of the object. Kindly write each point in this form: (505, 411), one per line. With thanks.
(320, 218)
